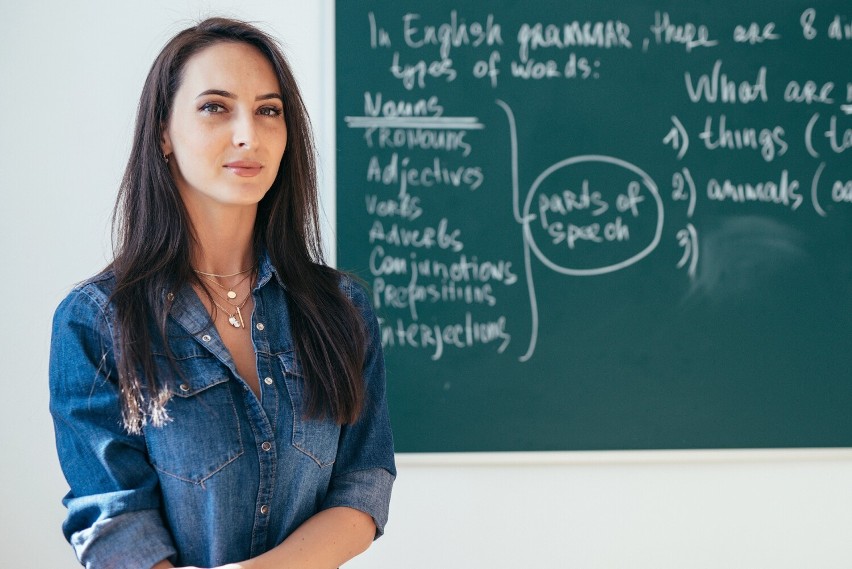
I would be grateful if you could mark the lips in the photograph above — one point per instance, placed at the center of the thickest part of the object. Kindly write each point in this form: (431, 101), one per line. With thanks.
(244, 168)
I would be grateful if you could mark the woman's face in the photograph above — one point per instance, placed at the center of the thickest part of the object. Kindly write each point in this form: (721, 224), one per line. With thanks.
(226, 132)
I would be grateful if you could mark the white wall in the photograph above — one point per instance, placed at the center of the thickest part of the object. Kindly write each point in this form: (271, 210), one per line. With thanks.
(70, 76)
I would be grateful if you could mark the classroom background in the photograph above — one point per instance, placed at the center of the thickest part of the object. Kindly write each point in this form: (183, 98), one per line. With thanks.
(71, 76)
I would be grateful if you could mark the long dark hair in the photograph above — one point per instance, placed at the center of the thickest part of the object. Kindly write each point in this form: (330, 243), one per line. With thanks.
(153, 238)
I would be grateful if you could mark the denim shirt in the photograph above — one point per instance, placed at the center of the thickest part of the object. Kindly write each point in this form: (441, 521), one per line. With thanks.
(231, 475)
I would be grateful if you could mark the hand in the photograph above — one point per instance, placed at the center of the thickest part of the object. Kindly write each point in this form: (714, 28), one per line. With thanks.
(228, 566)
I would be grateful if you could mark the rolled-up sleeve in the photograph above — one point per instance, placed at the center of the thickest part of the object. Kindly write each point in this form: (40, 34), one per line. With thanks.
(114, 499)
(364, 470)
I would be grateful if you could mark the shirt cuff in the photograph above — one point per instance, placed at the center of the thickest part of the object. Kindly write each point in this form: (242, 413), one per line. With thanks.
(135, 540)
(368, 491)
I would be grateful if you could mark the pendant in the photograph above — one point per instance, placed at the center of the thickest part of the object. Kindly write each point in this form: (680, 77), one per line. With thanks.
(240, 314)
(232, 295)
(234, 322)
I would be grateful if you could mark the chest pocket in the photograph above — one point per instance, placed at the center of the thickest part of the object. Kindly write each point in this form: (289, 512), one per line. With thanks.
(315, 438)
(203, 434)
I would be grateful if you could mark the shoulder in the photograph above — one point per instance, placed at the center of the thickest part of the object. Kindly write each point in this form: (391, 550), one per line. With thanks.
(81, 341)
(356, 292)
(88, 300)
(354, 289)
(358, 295)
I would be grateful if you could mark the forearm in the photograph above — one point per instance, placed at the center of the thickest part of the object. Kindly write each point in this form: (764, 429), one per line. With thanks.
(327, 540)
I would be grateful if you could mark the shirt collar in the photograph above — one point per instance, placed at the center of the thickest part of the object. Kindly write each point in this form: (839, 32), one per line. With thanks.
(265, 270)
(187, 309)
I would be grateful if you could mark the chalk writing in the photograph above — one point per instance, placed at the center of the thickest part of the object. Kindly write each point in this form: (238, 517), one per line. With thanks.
(687, 34)
(400, 171)
(840, 28)
(452, 34)
(438, 337)
(718, 87)
(754, 33)
(421, 238)
(783, 192)
(606, 35)
(769, 141)
(447, 163)
(809, 92)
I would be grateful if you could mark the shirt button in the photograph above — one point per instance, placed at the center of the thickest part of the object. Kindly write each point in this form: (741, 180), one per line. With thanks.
(267, 381)
(184, 387)
(206, 337)
(264, 509)
(259, 326)
(266, 446)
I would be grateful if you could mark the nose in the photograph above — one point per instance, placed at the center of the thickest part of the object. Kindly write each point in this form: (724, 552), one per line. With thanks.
(245, 131)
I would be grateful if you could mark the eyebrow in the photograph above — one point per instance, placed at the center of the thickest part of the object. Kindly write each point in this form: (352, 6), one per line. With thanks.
(229, 95)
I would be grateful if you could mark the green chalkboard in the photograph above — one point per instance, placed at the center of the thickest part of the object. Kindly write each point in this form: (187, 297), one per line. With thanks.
(602, 225)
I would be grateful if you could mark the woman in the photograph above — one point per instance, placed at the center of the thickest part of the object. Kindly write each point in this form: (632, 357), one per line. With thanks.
(217, 392)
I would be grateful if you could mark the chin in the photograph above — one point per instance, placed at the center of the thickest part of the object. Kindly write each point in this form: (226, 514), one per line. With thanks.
(244, 195)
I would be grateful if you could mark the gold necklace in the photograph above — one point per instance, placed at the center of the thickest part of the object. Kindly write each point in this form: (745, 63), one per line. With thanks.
(227, 300)
(232, 318)
(223, 276)
(229, 291)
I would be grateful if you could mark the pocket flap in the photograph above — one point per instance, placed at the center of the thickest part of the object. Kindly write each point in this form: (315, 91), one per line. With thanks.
(197, 373)
(289, 363)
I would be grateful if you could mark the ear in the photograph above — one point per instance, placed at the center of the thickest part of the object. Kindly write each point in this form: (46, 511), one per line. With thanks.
(165, 141)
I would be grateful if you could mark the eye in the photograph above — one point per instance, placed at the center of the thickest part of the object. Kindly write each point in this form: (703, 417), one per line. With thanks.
(212, 108)
(270, 111)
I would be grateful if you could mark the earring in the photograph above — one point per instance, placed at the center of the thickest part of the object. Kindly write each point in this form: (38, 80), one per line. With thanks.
(166, 157)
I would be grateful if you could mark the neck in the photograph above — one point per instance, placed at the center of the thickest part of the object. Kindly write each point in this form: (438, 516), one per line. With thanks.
(223, 240)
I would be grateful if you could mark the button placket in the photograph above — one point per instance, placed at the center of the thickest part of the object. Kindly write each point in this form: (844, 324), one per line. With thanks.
(269, 402)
